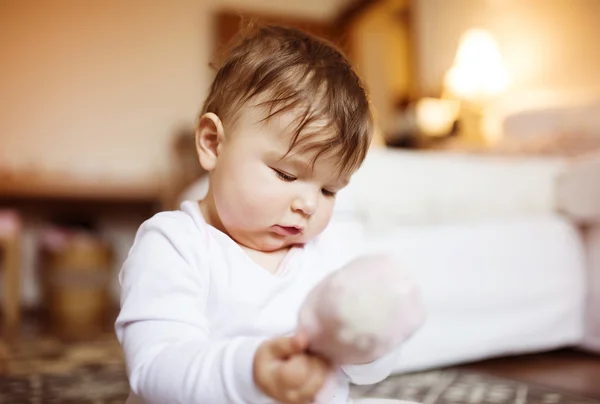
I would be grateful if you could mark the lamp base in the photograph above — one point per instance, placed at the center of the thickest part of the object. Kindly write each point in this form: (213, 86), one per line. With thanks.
(470, 122)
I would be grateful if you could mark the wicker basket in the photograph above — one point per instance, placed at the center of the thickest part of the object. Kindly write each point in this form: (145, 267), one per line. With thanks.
(76, 285)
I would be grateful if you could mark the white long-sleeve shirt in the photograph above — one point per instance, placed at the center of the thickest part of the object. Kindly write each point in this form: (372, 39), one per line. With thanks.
(195, 307)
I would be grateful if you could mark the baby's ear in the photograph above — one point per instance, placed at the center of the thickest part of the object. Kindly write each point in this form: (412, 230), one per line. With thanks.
(209, 135)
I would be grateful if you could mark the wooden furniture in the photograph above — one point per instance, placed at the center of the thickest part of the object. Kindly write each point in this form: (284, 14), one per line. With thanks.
(338, 29)
(76, 276)
(228, 24)
(10, 263)
(16, 184)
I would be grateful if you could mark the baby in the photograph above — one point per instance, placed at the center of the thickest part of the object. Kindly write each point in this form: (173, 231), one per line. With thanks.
(211, 293)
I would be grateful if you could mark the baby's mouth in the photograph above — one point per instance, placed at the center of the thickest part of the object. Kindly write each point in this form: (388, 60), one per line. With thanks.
(287, 230)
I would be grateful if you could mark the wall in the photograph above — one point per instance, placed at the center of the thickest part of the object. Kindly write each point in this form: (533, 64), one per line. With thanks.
(99, 86)
(549, 46)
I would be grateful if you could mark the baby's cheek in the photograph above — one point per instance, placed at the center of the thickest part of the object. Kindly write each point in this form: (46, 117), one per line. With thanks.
(259, 204)
(261, 193)
(238, 212)
(253, 200)
(322, 218)
(249, 213)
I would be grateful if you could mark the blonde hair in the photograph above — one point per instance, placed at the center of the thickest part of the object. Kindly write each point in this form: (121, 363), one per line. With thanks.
(284, 69)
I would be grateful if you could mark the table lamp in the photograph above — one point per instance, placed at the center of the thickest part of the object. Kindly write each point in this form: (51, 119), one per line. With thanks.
(477, 76)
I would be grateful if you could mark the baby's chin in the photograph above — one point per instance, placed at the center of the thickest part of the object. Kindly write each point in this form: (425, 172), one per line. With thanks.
(269, 243)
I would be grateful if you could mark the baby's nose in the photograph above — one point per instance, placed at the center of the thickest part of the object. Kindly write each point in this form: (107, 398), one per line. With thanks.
(305, 204)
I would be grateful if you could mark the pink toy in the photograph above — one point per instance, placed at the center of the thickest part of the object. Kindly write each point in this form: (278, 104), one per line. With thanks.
(361, 312)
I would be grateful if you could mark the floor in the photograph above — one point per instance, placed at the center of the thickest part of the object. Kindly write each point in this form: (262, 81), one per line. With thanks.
(568, 370)
(564, 370)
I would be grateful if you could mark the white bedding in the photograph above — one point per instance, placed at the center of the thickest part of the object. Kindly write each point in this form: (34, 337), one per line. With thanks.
(591, 340)
(395, 187)
(489, 290)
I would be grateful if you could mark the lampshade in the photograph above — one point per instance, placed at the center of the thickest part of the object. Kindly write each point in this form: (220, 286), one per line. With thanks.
(478, 72)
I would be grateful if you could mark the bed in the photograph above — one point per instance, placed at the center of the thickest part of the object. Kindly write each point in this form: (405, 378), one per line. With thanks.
(493, 287)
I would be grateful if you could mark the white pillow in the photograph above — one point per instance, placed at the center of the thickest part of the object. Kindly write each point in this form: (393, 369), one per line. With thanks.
(402, 187)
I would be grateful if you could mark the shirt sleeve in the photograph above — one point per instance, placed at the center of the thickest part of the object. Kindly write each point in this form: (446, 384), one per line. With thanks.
(164, 331)
(374, 372)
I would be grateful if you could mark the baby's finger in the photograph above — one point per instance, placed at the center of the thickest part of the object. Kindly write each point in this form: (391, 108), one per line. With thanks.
(283, 348)
(314, 384)
(295, 371)
(294, 397)
(318, 365)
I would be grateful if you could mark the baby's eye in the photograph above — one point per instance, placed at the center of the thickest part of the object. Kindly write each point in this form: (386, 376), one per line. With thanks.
(284, 176)
(327, 192)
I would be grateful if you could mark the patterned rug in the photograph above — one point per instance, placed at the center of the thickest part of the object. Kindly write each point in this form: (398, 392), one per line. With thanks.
(460, 387)
(45, 371)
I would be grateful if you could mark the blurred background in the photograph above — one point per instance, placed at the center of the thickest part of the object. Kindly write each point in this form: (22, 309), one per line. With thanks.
(487, 115)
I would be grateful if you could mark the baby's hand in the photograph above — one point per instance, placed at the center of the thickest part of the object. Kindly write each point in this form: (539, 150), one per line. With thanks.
(287, 373)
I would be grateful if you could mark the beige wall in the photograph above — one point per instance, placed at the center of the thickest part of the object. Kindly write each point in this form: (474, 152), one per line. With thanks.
(548, 45)
(99, 87)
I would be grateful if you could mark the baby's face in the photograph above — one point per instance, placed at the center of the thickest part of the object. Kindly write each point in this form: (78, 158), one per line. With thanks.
(266, 201)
